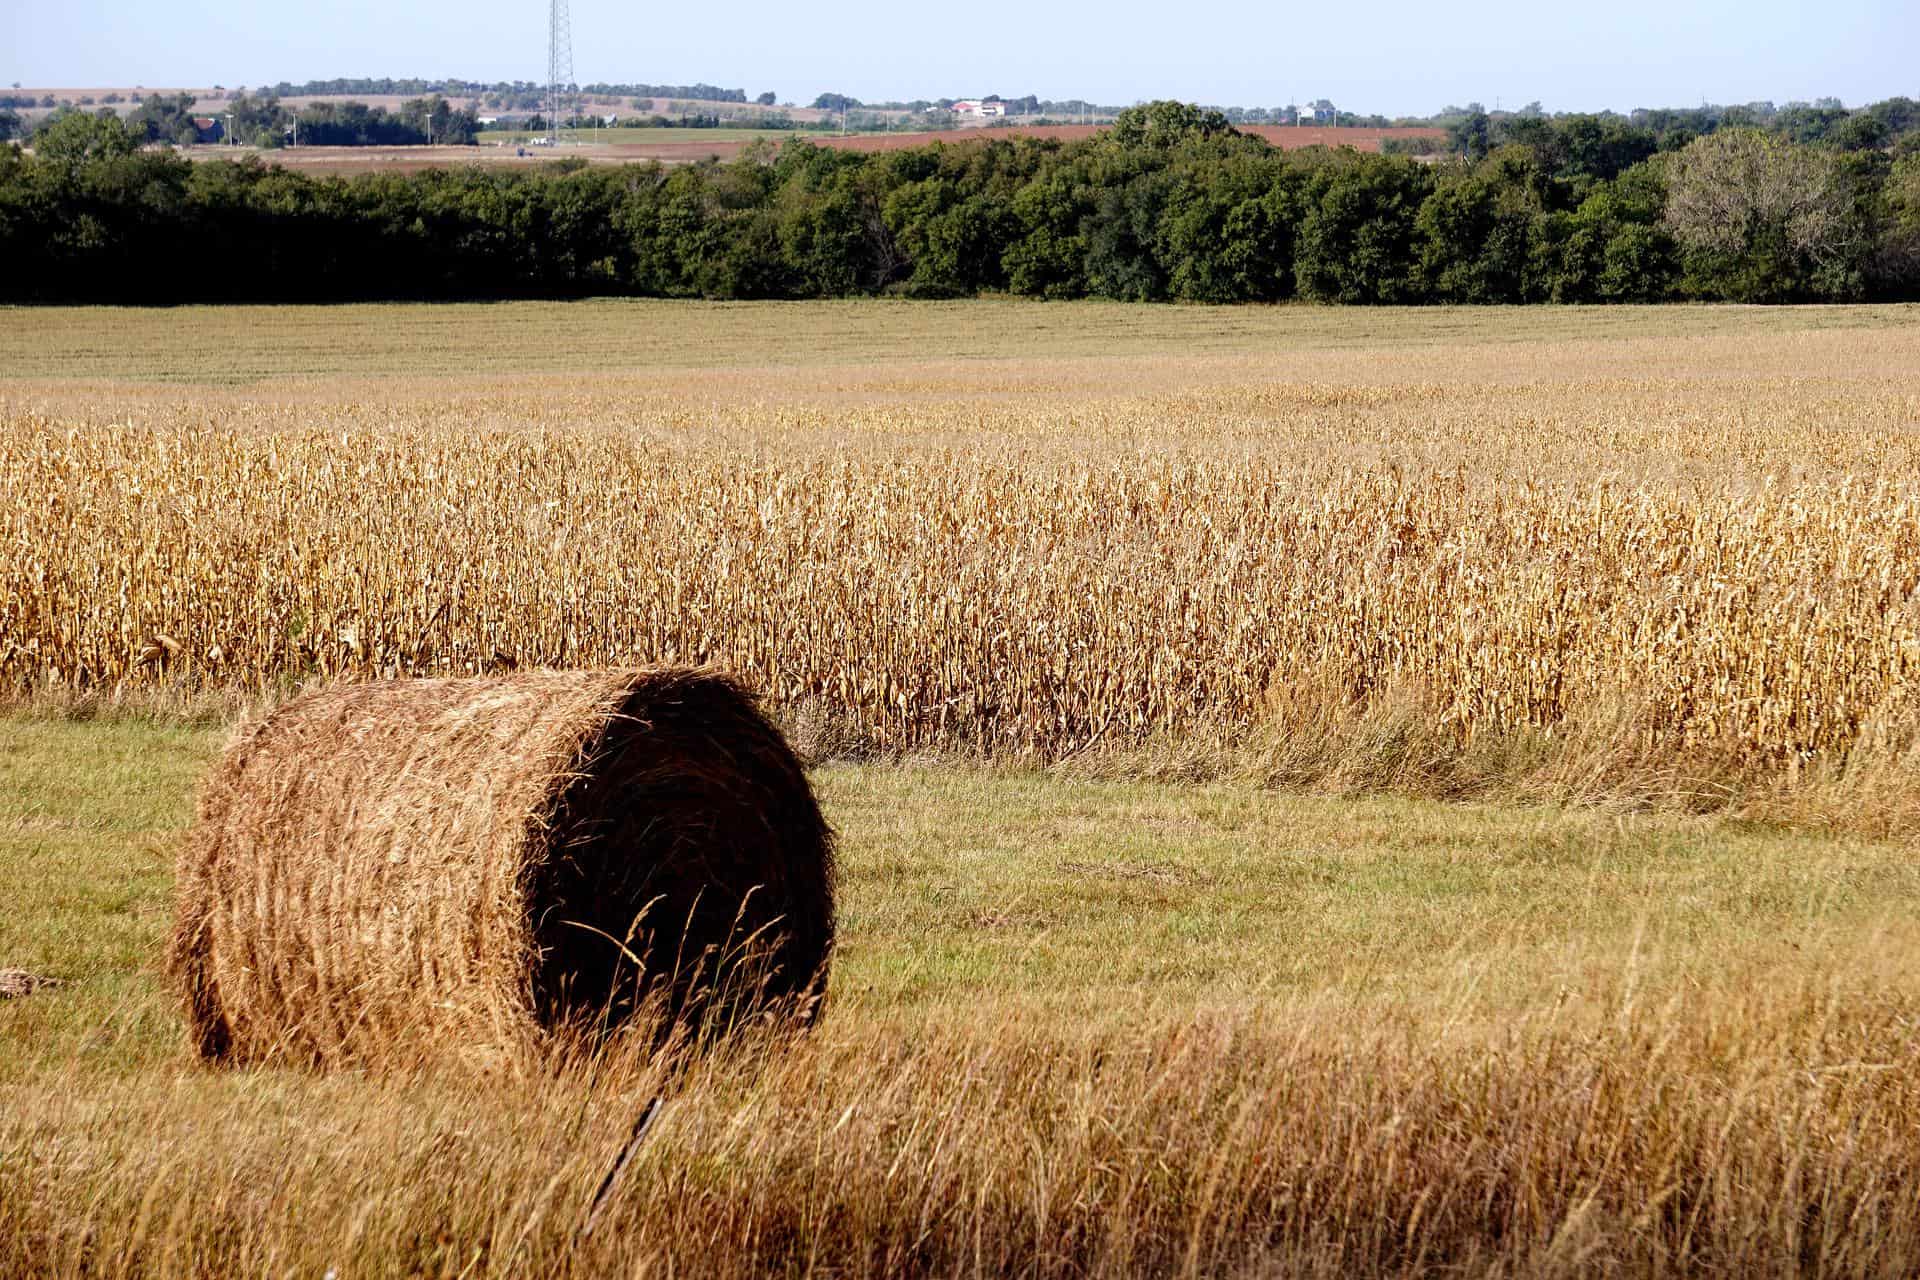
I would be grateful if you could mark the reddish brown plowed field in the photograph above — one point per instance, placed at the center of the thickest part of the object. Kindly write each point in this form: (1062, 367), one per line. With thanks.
(414, 159)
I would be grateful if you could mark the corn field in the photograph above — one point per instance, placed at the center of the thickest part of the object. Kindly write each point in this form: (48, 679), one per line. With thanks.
(1707, 523)
(1005, 603)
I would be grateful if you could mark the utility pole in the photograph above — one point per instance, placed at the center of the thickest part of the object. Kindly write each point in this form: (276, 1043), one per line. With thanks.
(559, 66)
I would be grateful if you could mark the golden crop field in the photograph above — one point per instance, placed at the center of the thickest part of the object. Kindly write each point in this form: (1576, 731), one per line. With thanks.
(1683, 543)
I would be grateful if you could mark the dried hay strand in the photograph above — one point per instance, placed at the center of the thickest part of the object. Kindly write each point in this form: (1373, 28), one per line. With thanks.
(493, 865)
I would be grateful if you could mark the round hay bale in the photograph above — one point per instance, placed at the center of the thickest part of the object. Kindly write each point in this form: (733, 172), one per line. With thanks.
(481, 865)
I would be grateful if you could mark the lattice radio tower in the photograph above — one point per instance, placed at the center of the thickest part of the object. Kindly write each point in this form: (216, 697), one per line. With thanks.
(559, 69)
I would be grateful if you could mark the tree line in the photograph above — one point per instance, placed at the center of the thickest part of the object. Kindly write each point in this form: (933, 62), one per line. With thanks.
(1170, 204)
(267, 124)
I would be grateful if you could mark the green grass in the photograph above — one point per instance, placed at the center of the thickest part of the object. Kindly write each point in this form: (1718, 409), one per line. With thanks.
(968, 891)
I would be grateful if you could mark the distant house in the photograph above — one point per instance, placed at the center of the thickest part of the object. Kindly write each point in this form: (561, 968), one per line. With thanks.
(208, 129)
(975, 107)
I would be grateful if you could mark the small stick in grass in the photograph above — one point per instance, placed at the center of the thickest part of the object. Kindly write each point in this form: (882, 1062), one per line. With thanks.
(600, 1197)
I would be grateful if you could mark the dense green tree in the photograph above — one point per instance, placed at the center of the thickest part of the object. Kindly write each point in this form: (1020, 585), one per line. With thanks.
(1047, 253)
(1471, 136)
(1228, 228)
(75, 140)
(1356, 240)
(1894, 266)
(164, 118)
(1479, 233)
(1164, 125)
(1121, 235)
(436, 121)
(1613, 248)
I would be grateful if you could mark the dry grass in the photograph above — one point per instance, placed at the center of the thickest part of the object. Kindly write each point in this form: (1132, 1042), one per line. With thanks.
(1659, 555)
(1104, 348)
(1720, 1134)
(1076, 1028)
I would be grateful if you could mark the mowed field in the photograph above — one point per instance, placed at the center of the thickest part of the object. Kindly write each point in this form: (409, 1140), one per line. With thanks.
(1321, 792)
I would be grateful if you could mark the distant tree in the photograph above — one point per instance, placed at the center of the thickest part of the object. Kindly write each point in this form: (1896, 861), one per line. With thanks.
(1121, 237)
(74, 139)
(1357, 239)
(835, 102)
(1613, 247)
(767, 99)
(1803, 123)
(164, 118)
(1897, 256)
(11, 126)
(1762, 219)
(260, 121)
(1900, 115)
(1861, 131)
(1477, 232)
(436, 121)
(1173, 204)
(1167, 124)
(1471, 135)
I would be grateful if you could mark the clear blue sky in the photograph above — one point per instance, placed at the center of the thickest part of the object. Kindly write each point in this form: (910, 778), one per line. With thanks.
(1388, 56)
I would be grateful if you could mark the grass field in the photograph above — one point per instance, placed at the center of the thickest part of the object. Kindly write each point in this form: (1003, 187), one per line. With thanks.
(1438, 795)
(1074, 1027)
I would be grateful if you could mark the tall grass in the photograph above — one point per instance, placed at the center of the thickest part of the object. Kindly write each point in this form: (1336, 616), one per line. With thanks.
(1768, 1131)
